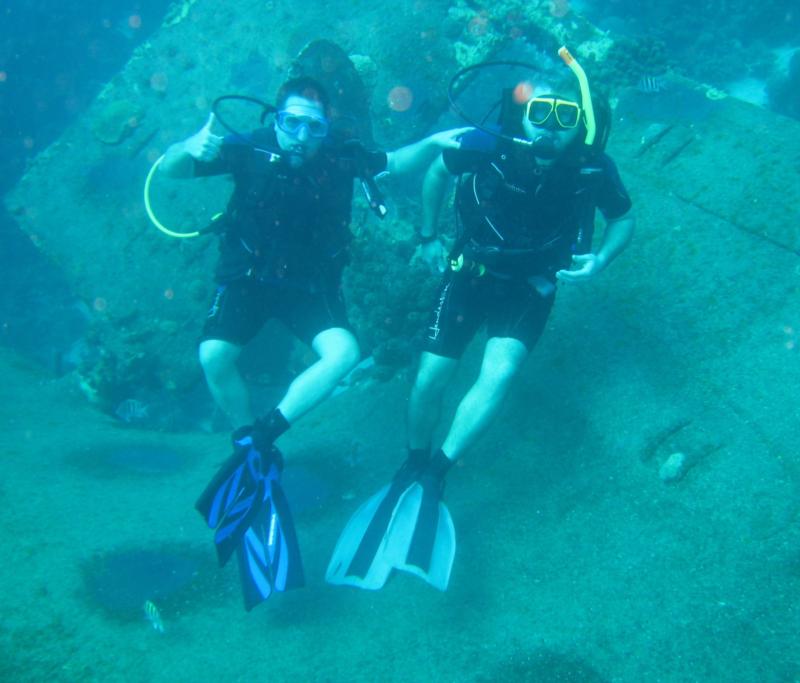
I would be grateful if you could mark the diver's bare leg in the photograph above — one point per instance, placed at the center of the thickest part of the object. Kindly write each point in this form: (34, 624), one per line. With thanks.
(425, 402)
(218, 360)
(502, 360)
(338, 353)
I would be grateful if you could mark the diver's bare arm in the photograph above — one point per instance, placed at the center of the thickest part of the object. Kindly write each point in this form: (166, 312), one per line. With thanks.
(617, 235)
(418, 155)
(177, 162)
(434, 190)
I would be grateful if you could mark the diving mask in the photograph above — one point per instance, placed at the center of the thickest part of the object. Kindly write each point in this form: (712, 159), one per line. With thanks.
(292, 124)
(567, 113)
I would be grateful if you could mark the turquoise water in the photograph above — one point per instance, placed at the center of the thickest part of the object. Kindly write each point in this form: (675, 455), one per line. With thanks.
(630, 516)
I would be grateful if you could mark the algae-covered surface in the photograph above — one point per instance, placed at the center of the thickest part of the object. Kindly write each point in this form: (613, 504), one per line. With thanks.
(575, 561)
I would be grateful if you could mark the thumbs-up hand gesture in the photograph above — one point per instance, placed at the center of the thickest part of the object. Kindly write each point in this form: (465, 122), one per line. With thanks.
(204, 145)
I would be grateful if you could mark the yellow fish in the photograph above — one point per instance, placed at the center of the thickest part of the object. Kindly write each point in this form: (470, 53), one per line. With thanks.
(153, 616)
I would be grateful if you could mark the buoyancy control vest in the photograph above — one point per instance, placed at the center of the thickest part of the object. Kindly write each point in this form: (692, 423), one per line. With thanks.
(286, 225)
(520, 219)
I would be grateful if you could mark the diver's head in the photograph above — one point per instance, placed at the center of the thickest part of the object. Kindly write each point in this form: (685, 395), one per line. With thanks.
(559, 121)
(554, 121)
(301, 123)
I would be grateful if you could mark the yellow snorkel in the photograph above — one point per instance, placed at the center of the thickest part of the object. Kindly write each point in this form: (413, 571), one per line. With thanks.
(586, 96)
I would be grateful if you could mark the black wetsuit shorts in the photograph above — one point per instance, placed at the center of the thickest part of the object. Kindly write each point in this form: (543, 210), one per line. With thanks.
(510, 308)
(240, 308)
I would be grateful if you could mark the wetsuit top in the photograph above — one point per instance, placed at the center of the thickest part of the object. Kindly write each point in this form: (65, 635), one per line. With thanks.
(282, 224)
(524, 219)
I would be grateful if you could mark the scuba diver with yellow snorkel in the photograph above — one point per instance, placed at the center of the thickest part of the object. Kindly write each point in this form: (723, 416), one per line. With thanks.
(283, 244)
(525, 203)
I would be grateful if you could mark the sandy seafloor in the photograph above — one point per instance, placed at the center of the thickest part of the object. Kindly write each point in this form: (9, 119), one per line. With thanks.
(575, 562)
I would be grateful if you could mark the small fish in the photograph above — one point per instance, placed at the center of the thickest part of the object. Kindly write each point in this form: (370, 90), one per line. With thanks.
(651, 85)
(152, 615)
(131, 410)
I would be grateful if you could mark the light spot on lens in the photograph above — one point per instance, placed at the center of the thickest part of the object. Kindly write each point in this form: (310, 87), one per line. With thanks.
(400, 98)
(478, 25)
(159, 81)
(523, 92)
(559, 8)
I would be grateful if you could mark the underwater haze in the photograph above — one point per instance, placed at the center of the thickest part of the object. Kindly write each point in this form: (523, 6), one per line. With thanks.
(632, 513)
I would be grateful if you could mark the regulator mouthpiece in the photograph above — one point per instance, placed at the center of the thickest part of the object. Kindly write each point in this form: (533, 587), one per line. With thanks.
(544, 147)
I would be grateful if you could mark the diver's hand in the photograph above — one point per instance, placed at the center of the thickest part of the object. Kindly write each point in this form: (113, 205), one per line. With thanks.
(204, 145)
(434, 255)
(588, 265)
(449, 139)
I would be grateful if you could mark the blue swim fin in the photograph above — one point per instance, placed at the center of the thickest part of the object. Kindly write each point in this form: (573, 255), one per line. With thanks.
(226, 488)
(246, 506)
(269, 555)
(235, 476)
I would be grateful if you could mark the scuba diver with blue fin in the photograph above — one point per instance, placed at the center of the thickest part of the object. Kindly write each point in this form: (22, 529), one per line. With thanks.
(527, 193)
(283, 244)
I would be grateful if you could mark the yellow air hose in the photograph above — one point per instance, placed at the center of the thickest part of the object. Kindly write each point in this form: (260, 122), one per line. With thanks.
(153, 218)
